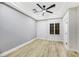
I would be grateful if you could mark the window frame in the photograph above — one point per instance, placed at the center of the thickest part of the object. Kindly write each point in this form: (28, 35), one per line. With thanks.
(53, 27)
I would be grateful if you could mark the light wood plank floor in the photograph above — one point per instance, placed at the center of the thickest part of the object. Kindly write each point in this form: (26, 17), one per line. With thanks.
(42, 48)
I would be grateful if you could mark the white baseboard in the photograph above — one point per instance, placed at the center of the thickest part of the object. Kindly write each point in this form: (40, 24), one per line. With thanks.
(49, 39)
(14, 49)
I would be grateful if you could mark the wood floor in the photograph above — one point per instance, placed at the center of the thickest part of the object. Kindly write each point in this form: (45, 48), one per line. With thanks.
(43, 48)
(72, 54)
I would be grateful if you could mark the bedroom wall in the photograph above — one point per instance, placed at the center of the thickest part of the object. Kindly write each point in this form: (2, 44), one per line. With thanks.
(78, 28)
(15, 28)
(66, 29)
(71, 18)
(43, 29)
(72, 28)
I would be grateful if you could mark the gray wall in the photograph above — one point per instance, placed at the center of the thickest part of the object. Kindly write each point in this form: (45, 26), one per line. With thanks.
(78, 28)
(73, 28)
(15, 28)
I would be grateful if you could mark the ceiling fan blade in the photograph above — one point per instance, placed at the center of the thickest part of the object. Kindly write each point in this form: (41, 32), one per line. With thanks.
(51, 6)
(49, 11)
(39, 6)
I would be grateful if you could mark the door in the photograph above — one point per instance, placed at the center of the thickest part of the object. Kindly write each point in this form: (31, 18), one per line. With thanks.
(66, 33)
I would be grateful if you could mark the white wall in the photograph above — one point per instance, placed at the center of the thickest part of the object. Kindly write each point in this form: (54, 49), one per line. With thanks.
(15, 28)
(66, 29)
(73, 28)
(43, 29)
(77, 28)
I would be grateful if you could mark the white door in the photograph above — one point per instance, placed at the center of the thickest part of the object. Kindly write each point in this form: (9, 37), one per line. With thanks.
(66, 33)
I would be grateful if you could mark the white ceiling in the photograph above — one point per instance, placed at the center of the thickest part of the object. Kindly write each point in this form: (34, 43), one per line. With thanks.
(58, 11)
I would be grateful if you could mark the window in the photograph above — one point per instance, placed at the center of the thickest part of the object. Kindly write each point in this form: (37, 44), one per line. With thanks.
(54, 28)
(51, 28)
(57, 28)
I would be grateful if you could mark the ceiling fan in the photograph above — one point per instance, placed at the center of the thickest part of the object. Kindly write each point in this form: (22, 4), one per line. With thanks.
(44, 9)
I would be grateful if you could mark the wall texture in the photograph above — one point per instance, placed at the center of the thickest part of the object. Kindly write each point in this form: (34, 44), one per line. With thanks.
(43, 29)
(15, 28)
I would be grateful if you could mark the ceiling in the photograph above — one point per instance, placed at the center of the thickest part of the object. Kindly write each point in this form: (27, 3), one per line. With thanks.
(58, 11)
